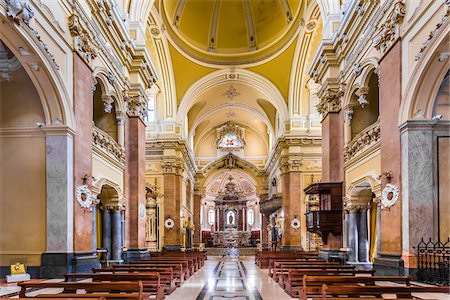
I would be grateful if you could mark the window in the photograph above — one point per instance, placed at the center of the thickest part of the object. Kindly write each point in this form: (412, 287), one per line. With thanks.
(230, 140)
(250, 217)
(211, 217)
(150, 112)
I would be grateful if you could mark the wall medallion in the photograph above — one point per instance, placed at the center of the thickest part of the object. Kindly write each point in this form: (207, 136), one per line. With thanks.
(295, 223)
(389, 195)
(84, 197)
(169, 223)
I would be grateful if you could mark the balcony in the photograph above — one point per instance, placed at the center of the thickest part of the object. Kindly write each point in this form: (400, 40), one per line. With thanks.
(107, 145)
(367, 138)
(324, 222)
(270, 205)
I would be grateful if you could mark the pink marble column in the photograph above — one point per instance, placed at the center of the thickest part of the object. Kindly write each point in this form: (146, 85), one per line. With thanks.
(83, 111)
(135, 181)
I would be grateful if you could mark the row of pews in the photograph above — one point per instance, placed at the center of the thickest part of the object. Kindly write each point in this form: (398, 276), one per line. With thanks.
(151, 278)
(302, 275)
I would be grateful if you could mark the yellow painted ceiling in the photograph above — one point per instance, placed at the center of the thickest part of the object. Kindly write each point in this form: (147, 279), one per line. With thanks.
(230, 31)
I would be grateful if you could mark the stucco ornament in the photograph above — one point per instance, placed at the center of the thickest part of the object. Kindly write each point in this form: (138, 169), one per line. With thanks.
(19, 11)
(295, 223)
(389, 195)
(84, 197)
(169, 223)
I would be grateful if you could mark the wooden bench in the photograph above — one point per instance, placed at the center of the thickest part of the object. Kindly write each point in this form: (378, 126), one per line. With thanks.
(187, 263)
(153, 282)
(177, 272)
(284, 269)
(312, 285)
(376, 291)
(108, 290)
(272, 261)
(183, 266)
(291, 281)
(277, 265)
(262, 260)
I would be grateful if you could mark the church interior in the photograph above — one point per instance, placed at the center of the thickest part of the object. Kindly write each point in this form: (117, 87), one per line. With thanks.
(225, 149)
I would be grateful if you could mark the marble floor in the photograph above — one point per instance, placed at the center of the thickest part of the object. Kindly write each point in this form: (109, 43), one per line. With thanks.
(230, 278)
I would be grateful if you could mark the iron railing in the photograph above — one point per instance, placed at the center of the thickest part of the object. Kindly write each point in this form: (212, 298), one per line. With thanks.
(433, 262)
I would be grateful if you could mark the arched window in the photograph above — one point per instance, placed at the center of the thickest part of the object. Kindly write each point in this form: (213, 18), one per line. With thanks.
(250, 217)
(150, 115)
(211, 217)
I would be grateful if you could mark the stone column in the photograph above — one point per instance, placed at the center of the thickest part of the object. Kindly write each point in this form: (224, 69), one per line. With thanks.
(345, 229)
(135, 183)
(116, 234)
(120, 118)
(197, 213)
(291, 203)
(390, 97)
(94, 224)
(363, 242)
(172, 198)
(106, 229)
(264, 232)
(353, 234)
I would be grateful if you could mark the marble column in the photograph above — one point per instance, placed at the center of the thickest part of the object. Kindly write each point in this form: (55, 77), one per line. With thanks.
(106, 230)
(135, 183)
(292, 207)
(264, 232)
(172, 198)
(345, 229)
(59, 190)
(363, 242)
(197, 213)
(116, 234)
(353, 235)
(94, 227)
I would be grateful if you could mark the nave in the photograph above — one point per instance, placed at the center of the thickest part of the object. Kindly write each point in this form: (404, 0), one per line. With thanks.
(266, 276)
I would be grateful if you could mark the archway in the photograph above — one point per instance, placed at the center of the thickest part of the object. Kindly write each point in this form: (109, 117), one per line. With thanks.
(230, 213)
(110, 223)
(22, 160)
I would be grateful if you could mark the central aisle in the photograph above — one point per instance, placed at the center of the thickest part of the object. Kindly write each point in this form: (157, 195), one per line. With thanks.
(230, 278)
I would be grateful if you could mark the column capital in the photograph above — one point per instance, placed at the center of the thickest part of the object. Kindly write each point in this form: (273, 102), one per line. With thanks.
(330, 99)
(136, 103)
(389, 30)
(173, 167)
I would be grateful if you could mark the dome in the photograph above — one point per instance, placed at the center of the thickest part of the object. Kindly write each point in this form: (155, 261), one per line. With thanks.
(230, 31)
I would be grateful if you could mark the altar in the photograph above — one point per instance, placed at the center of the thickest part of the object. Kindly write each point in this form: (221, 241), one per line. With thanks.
(230, 238)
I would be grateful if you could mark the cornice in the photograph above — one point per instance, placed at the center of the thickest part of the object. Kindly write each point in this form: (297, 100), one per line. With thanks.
(178, 145)
(286, 142)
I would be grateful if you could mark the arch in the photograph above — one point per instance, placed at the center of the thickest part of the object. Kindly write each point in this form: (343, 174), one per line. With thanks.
(236, 75)
(103, 181)
(56, 100)
(361, 82)
(422, 87)
(100, 74)
(369, 180)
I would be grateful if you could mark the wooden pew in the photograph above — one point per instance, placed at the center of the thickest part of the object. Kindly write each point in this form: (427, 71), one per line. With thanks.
(109, 290)
(273, 260)
(376, 291)
(312, 285)
(153, 282)
(284, 269)
(188, 262)
(262, 260)
(183, 265)
(277, 265)
(293, 280)
(177, 272)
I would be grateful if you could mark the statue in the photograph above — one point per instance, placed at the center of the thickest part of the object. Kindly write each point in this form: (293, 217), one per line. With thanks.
(230, 219)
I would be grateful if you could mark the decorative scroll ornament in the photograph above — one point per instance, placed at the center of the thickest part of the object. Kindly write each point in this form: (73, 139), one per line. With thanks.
(295, 223)
(19, 11)
(169, 223)
(389, 195)
(83, 41)
(389, 31)
(84, 197)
